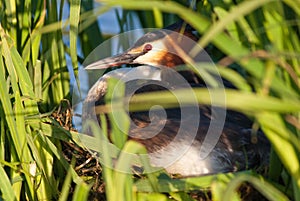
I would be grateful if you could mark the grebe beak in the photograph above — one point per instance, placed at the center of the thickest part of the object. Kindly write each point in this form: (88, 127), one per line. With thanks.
(127, 57)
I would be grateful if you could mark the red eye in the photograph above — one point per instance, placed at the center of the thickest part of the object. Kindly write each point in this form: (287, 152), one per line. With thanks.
(147, 47)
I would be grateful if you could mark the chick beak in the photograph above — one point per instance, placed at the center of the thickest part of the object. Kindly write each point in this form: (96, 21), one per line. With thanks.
(127, 57)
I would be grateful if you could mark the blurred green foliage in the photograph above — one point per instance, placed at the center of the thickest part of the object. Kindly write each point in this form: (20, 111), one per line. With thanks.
(259, 39)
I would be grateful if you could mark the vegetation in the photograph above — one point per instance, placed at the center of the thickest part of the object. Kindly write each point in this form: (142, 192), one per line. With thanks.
(257, 41)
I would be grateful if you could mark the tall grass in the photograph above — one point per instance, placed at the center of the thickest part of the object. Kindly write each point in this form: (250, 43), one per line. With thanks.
(259, 39)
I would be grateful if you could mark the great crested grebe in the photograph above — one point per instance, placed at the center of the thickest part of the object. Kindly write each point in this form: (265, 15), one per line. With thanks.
(232, 150)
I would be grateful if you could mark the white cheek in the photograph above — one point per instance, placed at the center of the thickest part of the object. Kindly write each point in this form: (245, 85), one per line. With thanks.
(149, 58)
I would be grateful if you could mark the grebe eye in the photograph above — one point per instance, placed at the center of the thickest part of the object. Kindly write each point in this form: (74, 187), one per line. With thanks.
(147, 47)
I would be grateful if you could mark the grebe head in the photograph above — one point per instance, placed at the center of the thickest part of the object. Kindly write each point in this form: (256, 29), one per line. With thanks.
(165, 47)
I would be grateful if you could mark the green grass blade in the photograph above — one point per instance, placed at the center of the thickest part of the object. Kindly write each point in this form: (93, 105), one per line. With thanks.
(59, 155)
(11, 11)
(66, 187)
(279, 136)
(74, 21)
(270, 192)
(6, 189)
(89, 32)
(236, 13)
(241, 101)
(81, 192)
